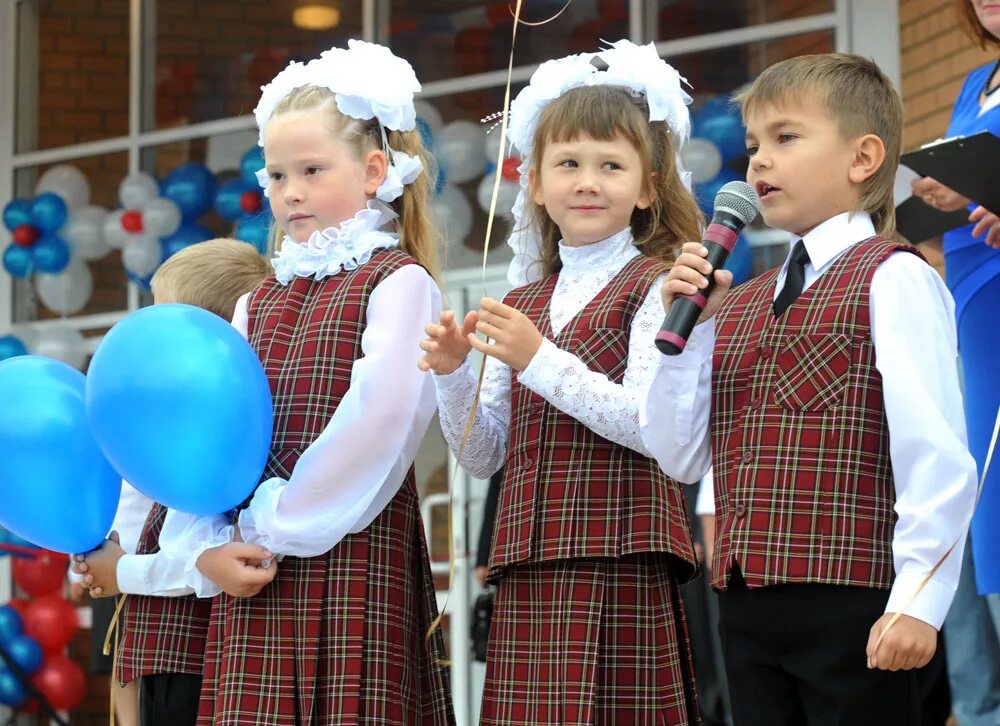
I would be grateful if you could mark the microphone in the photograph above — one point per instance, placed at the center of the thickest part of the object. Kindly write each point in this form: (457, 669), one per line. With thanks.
(736, 205)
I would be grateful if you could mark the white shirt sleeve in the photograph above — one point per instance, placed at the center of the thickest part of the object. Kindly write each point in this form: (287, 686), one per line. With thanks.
(913, 331)
(133, 511)
(674, 415)
(182, 540)
(704, 506)
(486, 448)
(240, 315)
(607, 408)
(347, 476)
(157, 574)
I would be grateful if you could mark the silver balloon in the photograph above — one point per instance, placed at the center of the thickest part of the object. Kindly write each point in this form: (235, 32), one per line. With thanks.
(142, 254)
(702, 158)
(137, 190)
(429, 113)
(161, 217)
(68, 182)
(460, 149)
(492, 146)
(506, 195)
(62, 343)
(84, 232)
(68, 292)
(114, 234)
(454, 214)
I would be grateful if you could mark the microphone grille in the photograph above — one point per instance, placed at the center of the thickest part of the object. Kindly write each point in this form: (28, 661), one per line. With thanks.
(739, 199)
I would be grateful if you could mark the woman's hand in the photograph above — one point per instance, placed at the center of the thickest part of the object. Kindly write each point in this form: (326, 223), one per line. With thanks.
(986, 223)
(937, 195)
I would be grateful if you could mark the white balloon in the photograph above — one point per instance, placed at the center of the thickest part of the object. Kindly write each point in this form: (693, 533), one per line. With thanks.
(459, 147)
(702, 158)
(493, 146)
(506, 195)
(429, 113)
(142, 254)
(454, 214)
(161, 217)
(114, 234)
(137, 190)
(66, 181)
(62, 343)
(67, 292)
(84, 232)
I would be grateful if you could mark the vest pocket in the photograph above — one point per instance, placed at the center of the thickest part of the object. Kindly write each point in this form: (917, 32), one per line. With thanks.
(811, 372)
(605, 350)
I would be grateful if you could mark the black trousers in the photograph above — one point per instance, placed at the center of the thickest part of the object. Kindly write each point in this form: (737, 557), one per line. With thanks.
(795, 654)
(169, 699)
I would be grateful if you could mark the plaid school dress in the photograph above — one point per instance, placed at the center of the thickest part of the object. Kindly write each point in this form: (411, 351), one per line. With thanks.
(803, 479)
(338, 638)
(160, 634)
(591, 541)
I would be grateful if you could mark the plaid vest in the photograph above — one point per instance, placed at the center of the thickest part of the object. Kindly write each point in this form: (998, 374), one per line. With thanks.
(160, 634)
(803, 480)
(341, 630)
(569, 492)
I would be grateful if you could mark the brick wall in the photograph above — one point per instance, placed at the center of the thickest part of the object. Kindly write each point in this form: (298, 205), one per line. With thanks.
(936, 57)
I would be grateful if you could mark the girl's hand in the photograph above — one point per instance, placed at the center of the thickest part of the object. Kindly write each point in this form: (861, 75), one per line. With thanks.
(446, 346)
(516, 339)
(937, 195)
(236, 568)
(986, 223)
(690, 275)
(100, 567)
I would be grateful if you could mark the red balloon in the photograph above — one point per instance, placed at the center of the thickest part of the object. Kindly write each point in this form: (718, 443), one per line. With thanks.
(24, 235)
(61, 681)
(132, 221)
(19, 604)
(509, 169)
(250, 201)
(52, 621)
(41, 574)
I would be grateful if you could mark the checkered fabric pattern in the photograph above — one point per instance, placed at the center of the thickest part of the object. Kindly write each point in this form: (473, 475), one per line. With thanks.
(589, 641)
(339, 638)
(803, 478)
(568, 492)
(160, 634)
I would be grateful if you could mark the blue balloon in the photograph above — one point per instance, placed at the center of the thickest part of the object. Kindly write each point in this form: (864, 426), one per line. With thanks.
(227, 199)
(740, 261)
(51, 254)
(249, 164)
(11, 346)
(11, 625)
(12, 691)
(180, 405)
(254, 230)
(64, 492)
(186, 235)
(192, 188)
(720, 123)
(26, 652)
(16, 213)
(426, 134)
(48, 212)
(19, 261)
(705, 193)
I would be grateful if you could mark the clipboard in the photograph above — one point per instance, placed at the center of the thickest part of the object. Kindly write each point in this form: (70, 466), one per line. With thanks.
(917, 221)
(968, 164)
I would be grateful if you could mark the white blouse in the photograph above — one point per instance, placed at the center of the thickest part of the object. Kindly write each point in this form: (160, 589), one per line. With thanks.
(350, 473)
(609, 409)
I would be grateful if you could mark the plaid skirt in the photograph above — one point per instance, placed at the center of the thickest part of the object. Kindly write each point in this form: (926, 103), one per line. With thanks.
(335, 639)
(590, 641)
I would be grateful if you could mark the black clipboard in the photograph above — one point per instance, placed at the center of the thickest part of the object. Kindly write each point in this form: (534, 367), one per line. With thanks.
(968, 164)
(918, 221)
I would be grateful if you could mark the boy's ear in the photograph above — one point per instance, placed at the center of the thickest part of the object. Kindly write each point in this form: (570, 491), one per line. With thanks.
(376, 167)
(869, 154)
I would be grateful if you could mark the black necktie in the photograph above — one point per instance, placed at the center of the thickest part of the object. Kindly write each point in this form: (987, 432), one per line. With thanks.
(795, 278)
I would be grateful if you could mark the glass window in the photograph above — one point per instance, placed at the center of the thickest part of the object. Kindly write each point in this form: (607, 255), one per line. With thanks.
(213, 57)
(72, 80)
(449, 38)
(686, 18)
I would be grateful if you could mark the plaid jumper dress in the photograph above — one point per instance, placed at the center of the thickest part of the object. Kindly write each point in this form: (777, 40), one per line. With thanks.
(803, 480)
(338, 638)
(591, 540)
(160, 634)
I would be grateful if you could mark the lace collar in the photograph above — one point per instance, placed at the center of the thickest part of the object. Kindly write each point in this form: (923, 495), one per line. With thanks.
(612, 252)
(345, 247)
